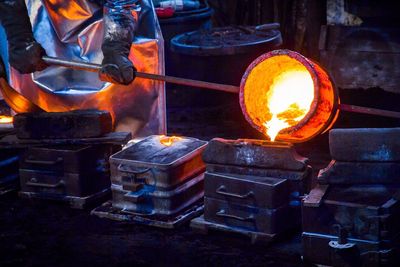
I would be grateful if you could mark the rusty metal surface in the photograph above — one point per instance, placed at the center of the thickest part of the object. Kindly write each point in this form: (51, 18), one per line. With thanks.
(261, 192)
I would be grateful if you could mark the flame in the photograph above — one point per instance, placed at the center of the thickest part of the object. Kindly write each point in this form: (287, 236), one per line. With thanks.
(6, 119)
(169, 140)
(289, 100)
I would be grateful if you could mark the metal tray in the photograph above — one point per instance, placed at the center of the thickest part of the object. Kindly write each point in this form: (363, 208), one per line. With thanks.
(151, 163)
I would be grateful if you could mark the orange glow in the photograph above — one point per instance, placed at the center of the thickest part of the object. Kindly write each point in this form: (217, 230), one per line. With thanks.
(6, 119)
(288, 97)
(169, 140)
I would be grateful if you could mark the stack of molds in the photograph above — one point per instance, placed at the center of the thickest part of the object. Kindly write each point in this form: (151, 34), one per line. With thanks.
(253, 187)
(78, 174)
(67, 155)
(158, 181)
(352, 216)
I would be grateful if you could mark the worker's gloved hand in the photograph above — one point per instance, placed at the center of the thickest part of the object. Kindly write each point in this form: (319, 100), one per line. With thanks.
(119, 31)
(117, 69)
(25, 54)
(26, 57)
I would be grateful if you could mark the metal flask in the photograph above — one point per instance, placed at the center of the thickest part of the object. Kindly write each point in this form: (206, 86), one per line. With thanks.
(151, 178)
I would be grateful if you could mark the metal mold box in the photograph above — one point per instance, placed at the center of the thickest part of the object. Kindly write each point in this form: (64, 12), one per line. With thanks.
(261, 192)
(152, 163)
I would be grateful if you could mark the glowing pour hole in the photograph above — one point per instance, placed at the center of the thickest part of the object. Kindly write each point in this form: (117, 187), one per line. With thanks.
(6, 119)
(169, 140)
(289, 99)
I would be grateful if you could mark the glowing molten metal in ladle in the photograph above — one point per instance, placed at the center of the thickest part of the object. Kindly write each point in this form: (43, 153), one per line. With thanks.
(288, 97)
(289, 100)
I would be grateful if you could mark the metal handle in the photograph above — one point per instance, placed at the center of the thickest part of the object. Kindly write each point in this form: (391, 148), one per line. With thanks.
(222, 191)
(222, 213)
(79, 65)
(134, 171)
(44, 162)
(61, 183)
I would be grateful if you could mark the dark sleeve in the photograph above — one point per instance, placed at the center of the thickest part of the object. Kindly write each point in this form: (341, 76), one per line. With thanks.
(15, 20)
(120, 19)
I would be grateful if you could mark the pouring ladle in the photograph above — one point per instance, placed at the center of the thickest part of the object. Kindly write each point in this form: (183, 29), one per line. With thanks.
(79, 65)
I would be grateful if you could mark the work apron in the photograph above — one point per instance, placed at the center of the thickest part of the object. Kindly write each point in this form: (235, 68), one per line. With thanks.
(73, 30)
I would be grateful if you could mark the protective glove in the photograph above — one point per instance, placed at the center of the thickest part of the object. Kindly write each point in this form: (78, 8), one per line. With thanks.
(117, 68)
(119, 33)
(25, 54)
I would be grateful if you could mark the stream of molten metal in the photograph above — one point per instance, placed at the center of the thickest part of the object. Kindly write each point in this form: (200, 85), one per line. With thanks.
(289, 99)
(6, 119)
(169, 140)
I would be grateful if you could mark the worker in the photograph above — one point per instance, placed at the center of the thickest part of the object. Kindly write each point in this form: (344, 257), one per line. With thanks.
(121, 35)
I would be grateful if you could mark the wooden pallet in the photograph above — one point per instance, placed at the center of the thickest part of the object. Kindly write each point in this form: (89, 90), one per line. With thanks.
(200, 225)
(74, 202)
(108, 211)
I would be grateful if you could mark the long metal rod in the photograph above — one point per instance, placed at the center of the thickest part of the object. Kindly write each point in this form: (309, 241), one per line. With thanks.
(370, 111)
(213, 86)
(181, 81)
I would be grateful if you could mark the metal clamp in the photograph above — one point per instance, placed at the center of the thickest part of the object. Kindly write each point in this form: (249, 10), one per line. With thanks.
(33, 183)
(44, 162)
(222, 213)
(222, 191)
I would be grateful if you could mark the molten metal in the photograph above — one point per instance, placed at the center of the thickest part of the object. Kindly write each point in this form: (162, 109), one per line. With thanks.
(169, 140)
(288, 97)
(289, 100)
(6, 119)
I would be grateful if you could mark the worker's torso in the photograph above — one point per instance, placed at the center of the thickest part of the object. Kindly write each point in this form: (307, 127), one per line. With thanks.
(74, 30)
